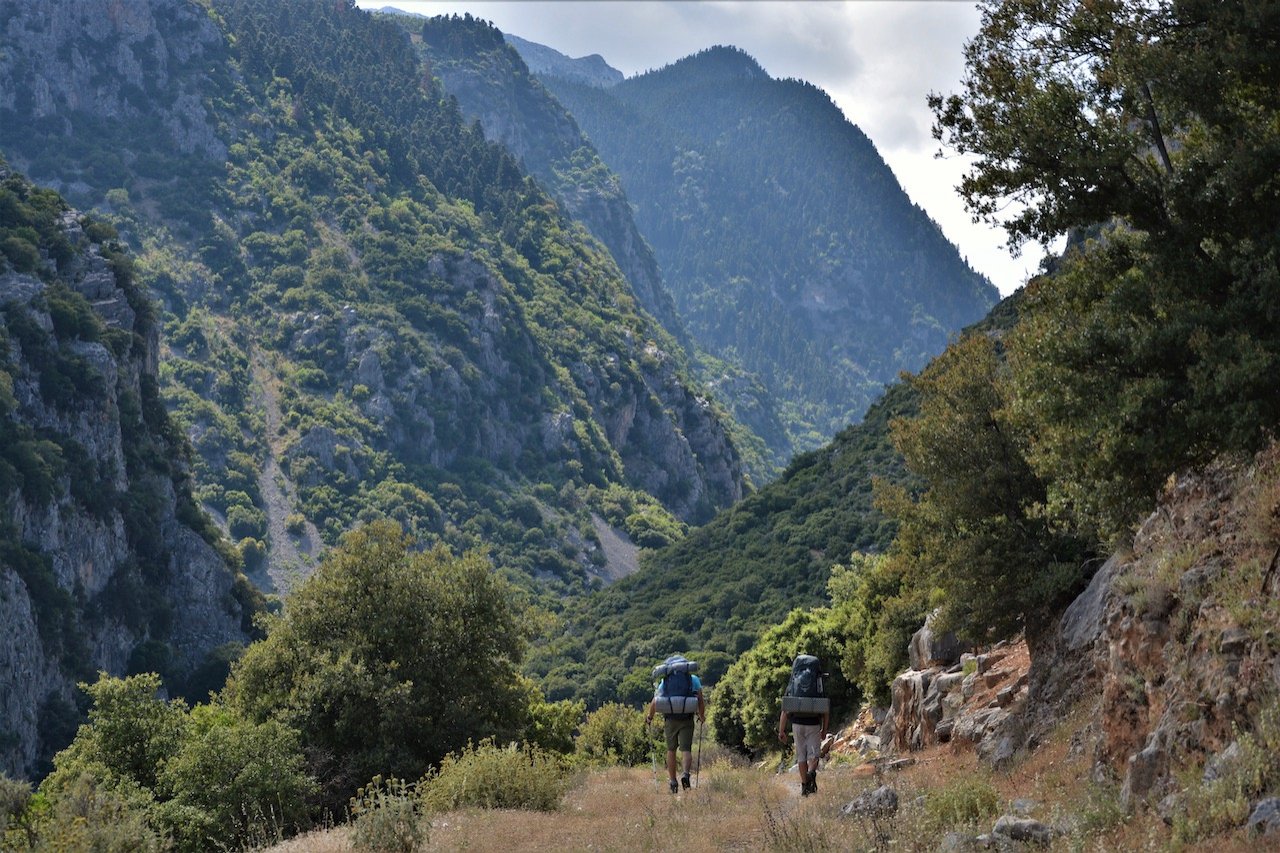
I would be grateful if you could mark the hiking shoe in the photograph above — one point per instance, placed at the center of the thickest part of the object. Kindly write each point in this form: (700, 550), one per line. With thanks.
(674, 786)
(813, 782)
(684, 781)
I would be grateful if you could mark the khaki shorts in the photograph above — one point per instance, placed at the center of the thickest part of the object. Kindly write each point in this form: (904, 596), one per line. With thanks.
(679, 733)
(808, 742)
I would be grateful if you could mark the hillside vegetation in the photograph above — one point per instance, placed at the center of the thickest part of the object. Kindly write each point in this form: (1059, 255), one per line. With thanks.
(477, 65)
(343, 257)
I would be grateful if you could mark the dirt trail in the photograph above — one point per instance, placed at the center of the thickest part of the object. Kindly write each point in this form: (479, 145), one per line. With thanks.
(290, 558)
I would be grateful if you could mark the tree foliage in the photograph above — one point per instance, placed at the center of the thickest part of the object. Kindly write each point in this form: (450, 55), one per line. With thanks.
(748, 700)
(200, 777)
(387, 659)
(1156, 345)
(978, 539)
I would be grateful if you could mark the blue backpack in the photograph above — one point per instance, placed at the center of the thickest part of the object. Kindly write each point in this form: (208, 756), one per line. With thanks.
(676, 696)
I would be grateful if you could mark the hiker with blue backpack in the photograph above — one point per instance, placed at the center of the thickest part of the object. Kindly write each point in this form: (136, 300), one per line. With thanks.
(806, 706)
(678, 697)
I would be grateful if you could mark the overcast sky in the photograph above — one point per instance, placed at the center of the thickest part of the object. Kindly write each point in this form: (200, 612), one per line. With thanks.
(877, 60)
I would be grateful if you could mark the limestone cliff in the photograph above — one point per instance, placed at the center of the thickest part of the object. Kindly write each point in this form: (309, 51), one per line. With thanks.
(105, 563)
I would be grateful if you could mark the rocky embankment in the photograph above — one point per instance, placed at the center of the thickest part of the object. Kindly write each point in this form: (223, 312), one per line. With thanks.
(1172, 652)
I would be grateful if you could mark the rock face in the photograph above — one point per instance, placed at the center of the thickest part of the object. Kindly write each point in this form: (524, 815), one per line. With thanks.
(98, 571)
(972, 700)
(1172, 643)
(150, 49)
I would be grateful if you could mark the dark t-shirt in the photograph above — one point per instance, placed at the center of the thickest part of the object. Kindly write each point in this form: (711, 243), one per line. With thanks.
(805, 719)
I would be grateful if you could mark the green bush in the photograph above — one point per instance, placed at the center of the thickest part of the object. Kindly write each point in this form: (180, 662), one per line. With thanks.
(384, 640)
(387, 815)
(92, 813)
(493, 777)
(236, 777)
(964, 802)
(15, 798)
(1225, 803)
(131, 732)
(616, 734)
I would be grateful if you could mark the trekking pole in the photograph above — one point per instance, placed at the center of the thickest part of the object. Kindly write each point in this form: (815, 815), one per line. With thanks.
(697, 771)
(653, 753)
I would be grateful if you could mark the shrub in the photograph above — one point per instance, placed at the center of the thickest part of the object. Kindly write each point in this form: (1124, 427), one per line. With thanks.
(961, 803)
(550, 725)
(232, 780)
(90, 813)
(494, 777)
(1253, 774)
(615, 734)
(130, 733)
(15, 797)
(373, 645)
(387, 815)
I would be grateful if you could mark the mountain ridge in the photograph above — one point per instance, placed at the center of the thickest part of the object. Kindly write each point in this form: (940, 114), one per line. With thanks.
(780, 230)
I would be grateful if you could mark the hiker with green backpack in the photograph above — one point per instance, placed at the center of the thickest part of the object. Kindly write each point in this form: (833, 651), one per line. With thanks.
(806, 706)
(678, 697)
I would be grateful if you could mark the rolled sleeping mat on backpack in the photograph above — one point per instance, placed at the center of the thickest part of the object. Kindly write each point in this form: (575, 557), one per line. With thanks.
(806, 704)
(675, 704)
(677, 665)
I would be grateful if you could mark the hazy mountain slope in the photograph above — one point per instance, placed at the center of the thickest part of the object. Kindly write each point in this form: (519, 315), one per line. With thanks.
(445, 347)
(105, 561)
(493, 86)
(592, 69)
(784, 238)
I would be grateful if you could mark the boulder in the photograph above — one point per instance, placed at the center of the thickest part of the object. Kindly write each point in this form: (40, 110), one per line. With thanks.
(928, 649)
(1024, 829)
(881, 802)
(1217, 766)
(958, 842)
(1144, 771)
(1265, 817)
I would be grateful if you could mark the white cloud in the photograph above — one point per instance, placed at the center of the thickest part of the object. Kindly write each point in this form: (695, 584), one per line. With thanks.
(877, 60)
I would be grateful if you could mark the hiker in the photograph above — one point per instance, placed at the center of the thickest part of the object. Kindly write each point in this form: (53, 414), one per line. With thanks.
(806, 706)
(678, 696)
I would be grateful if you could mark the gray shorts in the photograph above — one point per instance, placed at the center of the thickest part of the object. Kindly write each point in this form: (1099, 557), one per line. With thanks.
(808, 742)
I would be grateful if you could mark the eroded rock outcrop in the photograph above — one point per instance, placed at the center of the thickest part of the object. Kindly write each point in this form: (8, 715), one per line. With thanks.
(105, 564)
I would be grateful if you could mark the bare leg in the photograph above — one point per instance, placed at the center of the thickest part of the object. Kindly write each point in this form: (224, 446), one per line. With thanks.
(671, 764)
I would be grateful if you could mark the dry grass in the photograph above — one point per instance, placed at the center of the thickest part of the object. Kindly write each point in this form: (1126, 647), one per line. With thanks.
(751, 808)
